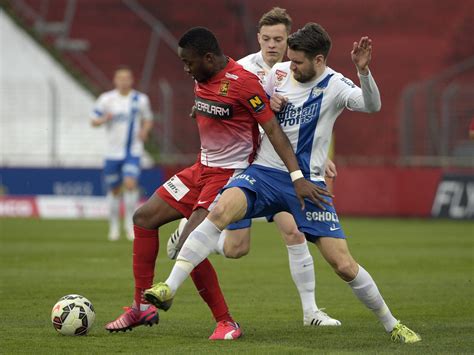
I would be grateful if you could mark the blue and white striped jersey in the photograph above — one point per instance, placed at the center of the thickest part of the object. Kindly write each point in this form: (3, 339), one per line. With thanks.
(122, 131)
(308, 117)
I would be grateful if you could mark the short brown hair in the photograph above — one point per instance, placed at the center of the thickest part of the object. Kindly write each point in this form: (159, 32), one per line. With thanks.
(276, 16)
(312, 39)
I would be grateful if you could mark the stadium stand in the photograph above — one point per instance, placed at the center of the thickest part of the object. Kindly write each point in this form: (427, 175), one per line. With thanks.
(398, 37)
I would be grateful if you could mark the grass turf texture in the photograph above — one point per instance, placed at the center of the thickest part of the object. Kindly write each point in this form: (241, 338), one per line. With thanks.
(423, 268)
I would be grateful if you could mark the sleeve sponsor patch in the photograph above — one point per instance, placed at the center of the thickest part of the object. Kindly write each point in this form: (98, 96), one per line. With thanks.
(256, 103)
(348, 82)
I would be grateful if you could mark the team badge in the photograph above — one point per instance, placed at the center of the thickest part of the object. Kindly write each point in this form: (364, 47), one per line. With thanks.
(256, 103)
(316, 91)
(224, 89)
(280, 75)
(261, 74)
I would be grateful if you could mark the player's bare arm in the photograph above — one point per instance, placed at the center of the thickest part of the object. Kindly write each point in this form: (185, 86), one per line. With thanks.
(361, 54)
(145, 130)
(304, 188)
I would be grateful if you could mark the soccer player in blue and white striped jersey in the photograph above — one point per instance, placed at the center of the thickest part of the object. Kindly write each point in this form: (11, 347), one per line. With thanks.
(127, 117)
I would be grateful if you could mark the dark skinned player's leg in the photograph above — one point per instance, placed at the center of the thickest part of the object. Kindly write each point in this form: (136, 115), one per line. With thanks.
(147, 219)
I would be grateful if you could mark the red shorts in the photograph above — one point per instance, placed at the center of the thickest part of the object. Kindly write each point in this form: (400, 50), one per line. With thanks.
(196, 186)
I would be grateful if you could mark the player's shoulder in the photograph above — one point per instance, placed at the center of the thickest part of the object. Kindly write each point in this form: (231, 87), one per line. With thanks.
(140, 95)
(248, 59)
(239, 74)
(339, 79)
(108, 94)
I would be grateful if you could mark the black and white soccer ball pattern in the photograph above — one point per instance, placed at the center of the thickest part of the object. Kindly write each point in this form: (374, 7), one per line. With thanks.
(73, 315)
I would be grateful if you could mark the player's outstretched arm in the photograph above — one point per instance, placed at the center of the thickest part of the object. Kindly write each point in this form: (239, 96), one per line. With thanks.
(368, 99)
(303, 188)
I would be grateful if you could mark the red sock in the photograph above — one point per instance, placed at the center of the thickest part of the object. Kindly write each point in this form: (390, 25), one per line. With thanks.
(145, 251)
(205, 279)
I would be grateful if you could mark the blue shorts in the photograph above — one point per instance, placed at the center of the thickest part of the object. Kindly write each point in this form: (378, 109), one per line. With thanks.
(246, 223)
(270, 191)
(116, 170)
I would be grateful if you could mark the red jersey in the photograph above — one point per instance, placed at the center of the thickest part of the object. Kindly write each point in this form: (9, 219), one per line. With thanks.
(228, 108)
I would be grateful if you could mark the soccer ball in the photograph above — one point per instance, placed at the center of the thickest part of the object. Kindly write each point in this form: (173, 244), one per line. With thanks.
(73, 315)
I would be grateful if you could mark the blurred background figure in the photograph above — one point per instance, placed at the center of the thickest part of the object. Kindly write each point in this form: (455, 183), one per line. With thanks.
(128, 119)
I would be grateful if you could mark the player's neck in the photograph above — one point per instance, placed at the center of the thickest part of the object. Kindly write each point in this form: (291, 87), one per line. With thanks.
(271, 63)
(320, 71)
(221, 63)
(124, 92)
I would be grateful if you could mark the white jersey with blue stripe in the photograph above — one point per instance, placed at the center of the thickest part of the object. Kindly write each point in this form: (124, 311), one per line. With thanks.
(122, 131)
(309, 115)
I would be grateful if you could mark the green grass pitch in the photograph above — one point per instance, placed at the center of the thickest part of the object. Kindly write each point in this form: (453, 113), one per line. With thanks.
(424, 269)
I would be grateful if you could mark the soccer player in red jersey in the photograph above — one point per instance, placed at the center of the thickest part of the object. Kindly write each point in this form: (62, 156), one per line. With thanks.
(229, 105)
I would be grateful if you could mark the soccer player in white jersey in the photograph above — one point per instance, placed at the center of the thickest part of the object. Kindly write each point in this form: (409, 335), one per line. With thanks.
(128, 119)
(273, 29)
(311, 97)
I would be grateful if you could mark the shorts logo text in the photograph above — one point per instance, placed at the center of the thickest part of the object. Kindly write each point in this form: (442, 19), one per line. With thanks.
(322, 217)
(246, 177)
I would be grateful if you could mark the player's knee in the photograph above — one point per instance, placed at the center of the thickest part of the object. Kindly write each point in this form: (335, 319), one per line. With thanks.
(218, 215)
(294, 237)
(139, 217)
(346, 269)
(143, 218)
(130, 184)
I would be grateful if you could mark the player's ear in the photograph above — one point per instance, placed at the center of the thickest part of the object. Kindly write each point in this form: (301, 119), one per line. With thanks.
(209, 58)
(319, 59)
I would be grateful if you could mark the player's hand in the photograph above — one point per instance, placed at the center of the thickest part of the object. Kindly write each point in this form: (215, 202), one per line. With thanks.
(143, 135)
(192, 114)
(306, 189)
(278, 102)
(330, 171)
(361, 54)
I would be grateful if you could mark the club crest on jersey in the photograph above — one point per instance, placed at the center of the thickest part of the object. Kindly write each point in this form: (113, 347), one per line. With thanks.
(257, 103)
(224, 88)
(316, 91)
(261, 74)
(280, 75)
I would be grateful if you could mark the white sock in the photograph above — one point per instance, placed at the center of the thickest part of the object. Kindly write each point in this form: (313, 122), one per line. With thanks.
(302, 272)
(130, 199)
(367, 292)
(114, 211)
(221, 242)
(201, 242)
